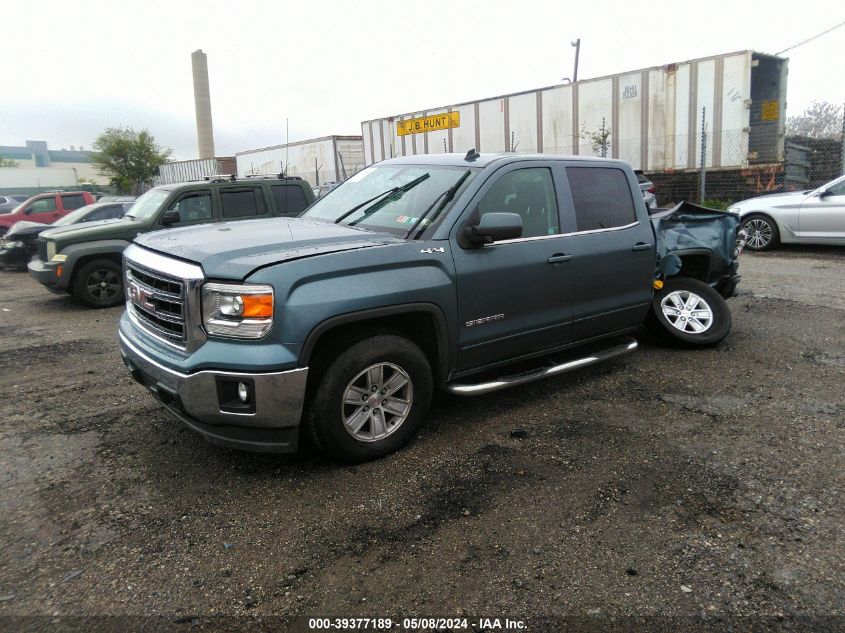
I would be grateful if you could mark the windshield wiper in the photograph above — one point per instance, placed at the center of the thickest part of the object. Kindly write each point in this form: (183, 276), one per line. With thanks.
(384, 195)
(445, 196)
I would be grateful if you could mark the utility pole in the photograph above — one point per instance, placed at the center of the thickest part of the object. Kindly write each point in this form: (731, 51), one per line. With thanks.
(577, 45)
(703, 154)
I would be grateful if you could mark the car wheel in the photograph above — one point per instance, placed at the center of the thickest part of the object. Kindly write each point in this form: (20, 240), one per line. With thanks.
(762, 232)
(371, 399)
(99, 284)
(690, 313)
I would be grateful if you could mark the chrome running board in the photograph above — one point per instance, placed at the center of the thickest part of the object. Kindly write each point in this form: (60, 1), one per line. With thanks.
(626, 346)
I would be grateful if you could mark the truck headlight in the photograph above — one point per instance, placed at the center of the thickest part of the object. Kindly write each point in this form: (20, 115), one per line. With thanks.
(237, 311)
(51, 250)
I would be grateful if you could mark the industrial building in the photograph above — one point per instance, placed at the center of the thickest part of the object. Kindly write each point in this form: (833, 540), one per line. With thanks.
(36, 154)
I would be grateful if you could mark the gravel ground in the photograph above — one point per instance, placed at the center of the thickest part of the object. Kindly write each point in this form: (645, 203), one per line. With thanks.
(685, 488)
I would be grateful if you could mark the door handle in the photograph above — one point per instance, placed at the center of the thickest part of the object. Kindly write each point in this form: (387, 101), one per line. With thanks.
(641, 246)
(559, 258)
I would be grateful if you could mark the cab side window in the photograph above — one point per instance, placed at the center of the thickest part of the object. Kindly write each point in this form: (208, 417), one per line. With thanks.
(838, 189)
(242, 202)
(44, 205)
(531, 194)
(602, 197)
(193, 206)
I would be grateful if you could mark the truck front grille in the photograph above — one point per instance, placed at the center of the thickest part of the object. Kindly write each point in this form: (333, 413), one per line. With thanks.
(157, 302)
(42, 249)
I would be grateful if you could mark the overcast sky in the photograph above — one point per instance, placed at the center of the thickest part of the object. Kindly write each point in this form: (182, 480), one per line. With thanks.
(70, 69)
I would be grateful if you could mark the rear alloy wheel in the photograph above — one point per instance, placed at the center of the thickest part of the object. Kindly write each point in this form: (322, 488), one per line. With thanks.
(371, 398)
(99, 284)
(762, 232)
(688, 312)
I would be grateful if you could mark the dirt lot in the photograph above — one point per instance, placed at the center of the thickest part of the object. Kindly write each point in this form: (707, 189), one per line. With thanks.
(705, 486)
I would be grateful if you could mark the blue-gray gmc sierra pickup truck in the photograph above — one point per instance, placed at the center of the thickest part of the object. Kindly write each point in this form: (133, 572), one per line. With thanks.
(467, 273)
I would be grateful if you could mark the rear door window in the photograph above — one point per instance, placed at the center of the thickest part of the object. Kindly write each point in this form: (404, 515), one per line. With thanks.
(290, 199)
(602, 197)
(73, 202)
(242, 202)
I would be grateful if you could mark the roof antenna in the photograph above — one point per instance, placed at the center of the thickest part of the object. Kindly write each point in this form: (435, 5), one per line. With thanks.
(471, 155)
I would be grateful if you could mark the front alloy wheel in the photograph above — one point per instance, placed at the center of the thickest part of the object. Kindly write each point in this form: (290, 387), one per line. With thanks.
(372, 396)
(687, 312)
(762, 232)
(377, 401)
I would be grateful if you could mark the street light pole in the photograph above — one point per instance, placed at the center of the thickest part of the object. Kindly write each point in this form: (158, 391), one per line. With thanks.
(577, 45)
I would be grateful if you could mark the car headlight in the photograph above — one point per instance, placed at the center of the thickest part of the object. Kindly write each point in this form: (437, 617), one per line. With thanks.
(237, 311)
(13, 244)
(51, 250)
(733, 209)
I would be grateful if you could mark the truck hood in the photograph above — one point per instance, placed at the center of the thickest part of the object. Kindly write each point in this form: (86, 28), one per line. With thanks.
(23, 227)
(91, 231)
(232, 250)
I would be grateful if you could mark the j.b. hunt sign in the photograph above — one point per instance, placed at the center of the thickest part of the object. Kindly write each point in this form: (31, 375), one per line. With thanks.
(428, 123)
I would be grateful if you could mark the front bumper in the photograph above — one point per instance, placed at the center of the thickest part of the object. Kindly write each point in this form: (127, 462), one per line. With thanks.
(14, 257)
(48, 274)
(271, 423)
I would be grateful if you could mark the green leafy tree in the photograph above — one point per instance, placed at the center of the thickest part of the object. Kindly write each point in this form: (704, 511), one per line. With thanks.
(8, 162)
(130, 159)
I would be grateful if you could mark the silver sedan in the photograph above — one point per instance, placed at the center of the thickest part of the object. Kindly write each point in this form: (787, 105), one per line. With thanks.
(797, 217)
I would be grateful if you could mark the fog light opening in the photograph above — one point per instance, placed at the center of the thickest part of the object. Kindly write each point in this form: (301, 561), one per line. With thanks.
(243, 392)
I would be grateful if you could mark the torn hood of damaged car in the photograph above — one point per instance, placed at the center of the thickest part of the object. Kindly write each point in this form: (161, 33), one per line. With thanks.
(232, 250)
(688, 227)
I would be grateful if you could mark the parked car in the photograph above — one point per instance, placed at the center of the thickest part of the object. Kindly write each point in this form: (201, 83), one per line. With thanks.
(85, 260)
(422, 272)
(110, 198)
(647, 188)
(46, 208)
(20, 243)
(8, 203)
(815, 216)
(325, 188)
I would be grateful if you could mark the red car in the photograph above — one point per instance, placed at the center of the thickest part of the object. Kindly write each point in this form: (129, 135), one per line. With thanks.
(46, 208)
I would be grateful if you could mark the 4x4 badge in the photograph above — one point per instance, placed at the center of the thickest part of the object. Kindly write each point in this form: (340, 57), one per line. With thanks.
(439, 249)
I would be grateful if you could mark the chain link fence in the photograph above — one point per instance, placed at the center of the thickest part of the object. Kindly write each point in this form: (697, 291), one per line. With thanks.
(758, 160)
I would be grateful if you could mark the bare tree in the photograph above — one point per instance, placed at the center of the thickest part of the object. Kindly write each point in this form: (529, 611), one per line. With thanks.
(821, 119)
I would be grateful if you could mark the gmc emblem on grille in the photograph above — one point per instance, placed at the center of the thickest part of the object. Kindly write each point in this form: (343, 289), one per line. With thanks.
(141, 298)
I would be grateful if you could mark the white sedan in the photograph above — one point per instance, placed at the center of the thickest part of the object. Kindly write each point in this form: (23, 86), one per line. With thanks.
(796, 217)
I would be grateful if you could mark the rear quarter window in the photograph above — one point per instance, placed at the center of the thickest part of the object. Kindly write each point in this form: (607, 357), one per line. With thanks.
(73, 202)
(290, 199)
(602, 197)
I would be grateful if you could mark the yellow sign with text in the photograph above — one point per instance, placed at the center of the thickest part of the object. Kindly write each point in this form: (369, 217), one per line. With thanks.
(770, 111)
(429, 123)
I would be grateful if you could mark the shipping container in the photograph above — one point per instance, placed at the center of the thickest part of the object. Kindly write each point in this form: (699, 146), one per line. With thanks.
(652, 118)
(318, 161)
(188, 170)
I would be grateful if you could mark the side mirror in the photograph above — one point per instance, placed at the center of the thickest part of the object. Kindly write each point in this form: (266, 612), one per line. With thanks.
(824, 193)
(170, 217)
(493, 227)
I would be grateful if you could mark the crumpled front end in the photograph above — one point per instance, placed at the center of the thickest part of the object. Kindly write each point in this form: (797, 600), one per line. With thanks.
(688, 229)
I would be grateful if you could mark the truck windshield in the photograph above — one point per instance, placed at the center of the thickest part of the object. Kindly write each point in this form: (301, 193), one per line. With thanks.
(393, 213)
(148, 204)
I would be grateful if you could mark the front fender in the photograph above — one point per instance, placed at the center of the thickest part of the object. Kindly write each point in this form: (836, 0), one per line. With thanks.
(84, 250)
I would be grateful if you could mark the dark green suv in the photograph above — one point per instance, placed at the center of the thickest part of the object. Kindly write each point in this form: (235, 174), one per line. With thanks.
(85, 260)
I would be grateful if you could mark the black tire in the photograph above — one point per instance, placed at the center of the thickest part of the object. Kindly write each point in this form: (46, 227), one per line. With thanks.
(328, 411)
(686, 333)
(763, 233)
(99, 284)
